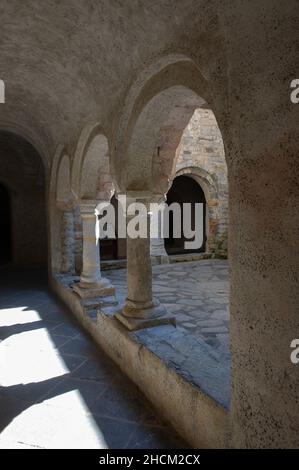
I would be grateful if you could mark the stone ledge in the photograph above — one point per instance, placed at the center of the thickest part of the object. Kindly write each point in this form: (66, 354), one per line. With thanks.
(189, 257)
(192, 358)
(185, 257)
(178, 381)
(93, 292)
(133, 324)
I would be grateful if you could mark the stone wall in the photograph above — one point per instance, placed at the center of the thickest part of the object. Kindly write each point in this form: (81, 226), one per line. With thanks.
(201, 155)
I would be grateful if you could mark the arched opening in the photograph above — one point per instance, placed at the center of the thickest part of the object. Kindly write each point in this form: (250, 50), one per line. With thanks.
(91, 183)
(173, 136)
(5, 226)
(185, 190)
(110, 246)
(23, 208)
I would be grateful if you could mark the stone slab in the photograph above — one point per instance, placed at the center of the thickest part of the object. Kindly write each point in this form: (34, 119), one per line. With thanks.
(133, 324)
(94, 292)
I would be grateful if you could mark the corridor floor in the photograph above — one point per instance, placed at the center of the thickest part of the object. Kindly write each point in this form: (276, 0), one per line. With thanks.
(57, 390)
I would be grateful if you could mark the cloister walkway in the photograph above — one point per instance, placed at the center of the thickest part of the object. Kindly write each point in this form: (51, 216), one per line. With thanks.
(58, 390)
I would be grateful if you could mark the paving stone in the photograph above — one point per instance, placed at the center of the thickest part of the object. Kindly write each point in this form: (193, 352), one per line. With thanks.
(69, 392)
(188, 325)
(220, 314)
(117, 433)
(95, 370)
(120, 401)
(50, 394)
(209, 323)
(182, 317)
(79, 346)
(153, 437)
(216, 329)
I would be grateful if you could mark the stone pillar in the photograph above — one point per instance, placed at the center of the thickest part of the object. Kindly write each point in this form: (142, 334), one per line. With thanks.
(78, 239)
(157, 250)
(91, 284)
(67, 236)
(141, 309)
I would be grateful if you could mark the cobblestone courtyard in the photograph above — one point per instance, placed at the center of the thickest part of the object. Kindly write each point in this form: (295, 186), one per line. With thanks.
(196, 293)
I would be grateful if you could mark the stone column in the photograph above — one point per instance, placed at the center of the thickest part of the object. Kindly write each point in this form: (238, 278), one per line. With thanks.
(141, 309)
(158, 252)
(91, 284)
(67, 235)
(78, 239)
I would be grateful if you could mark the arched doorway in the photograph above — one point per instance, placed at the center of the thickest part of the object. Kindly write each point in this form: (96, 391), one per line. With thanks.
(5, 226)
(23, 234)
(185, 190)
(109, 246)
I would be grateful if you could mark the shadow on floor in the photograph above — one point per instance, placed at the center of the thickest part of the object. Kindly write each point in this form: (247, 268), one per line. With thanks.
(57, 388)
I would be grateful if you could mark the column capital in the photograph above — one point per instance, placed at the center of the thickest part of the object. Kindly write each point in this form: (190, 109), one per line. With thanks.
(88, 206)
(144, 197)
(158, 198)
(65, 205)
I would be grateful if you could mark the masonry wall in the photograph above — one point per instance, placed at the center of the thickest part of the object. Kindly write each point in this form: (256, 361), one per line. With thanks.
(201, 151)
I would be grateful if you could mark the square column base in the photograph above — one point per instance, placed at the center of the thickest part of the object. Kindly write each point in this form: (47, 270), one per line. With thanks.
(133, 323)
(93, 292)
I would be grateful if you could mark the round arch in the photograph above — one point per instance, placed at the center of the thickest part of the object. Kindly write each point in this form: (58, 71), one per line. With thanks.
(172, 83)
(60, 177)
(91, 177)
(60, 199)
(203, 178)
(209, 187)
(35, 141)
(183, 190)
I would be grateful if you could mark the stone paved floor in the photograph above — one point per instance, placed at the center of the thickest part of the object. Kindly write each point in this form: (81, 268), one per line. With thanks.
(196, 293)
(57, 390)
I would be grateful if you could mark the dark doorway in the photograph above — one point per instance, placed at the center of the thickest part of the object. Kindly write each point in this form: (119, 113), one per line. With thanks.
(185, 189)
(23, 232)
(5, 226)
(109, 246)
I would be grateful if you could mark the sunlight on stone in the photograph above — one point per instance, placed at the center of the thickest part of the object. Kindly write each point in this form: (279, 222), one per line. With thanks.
(29, 357)
(59, 428)
(71, 400)
(18, 315)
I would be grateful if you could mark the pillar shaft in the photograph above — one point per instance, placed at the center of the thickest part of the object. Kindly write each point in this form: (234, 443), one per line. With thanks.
(67, 235)
(157, 245)
(141, 310)
(139, 271)
(91, 284)
(91, 272)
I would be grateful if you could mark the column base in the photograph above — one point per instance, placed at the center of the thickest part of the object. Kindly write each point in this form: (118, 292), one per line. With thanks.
(91, 290)
(159, 259)
(137, 319)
